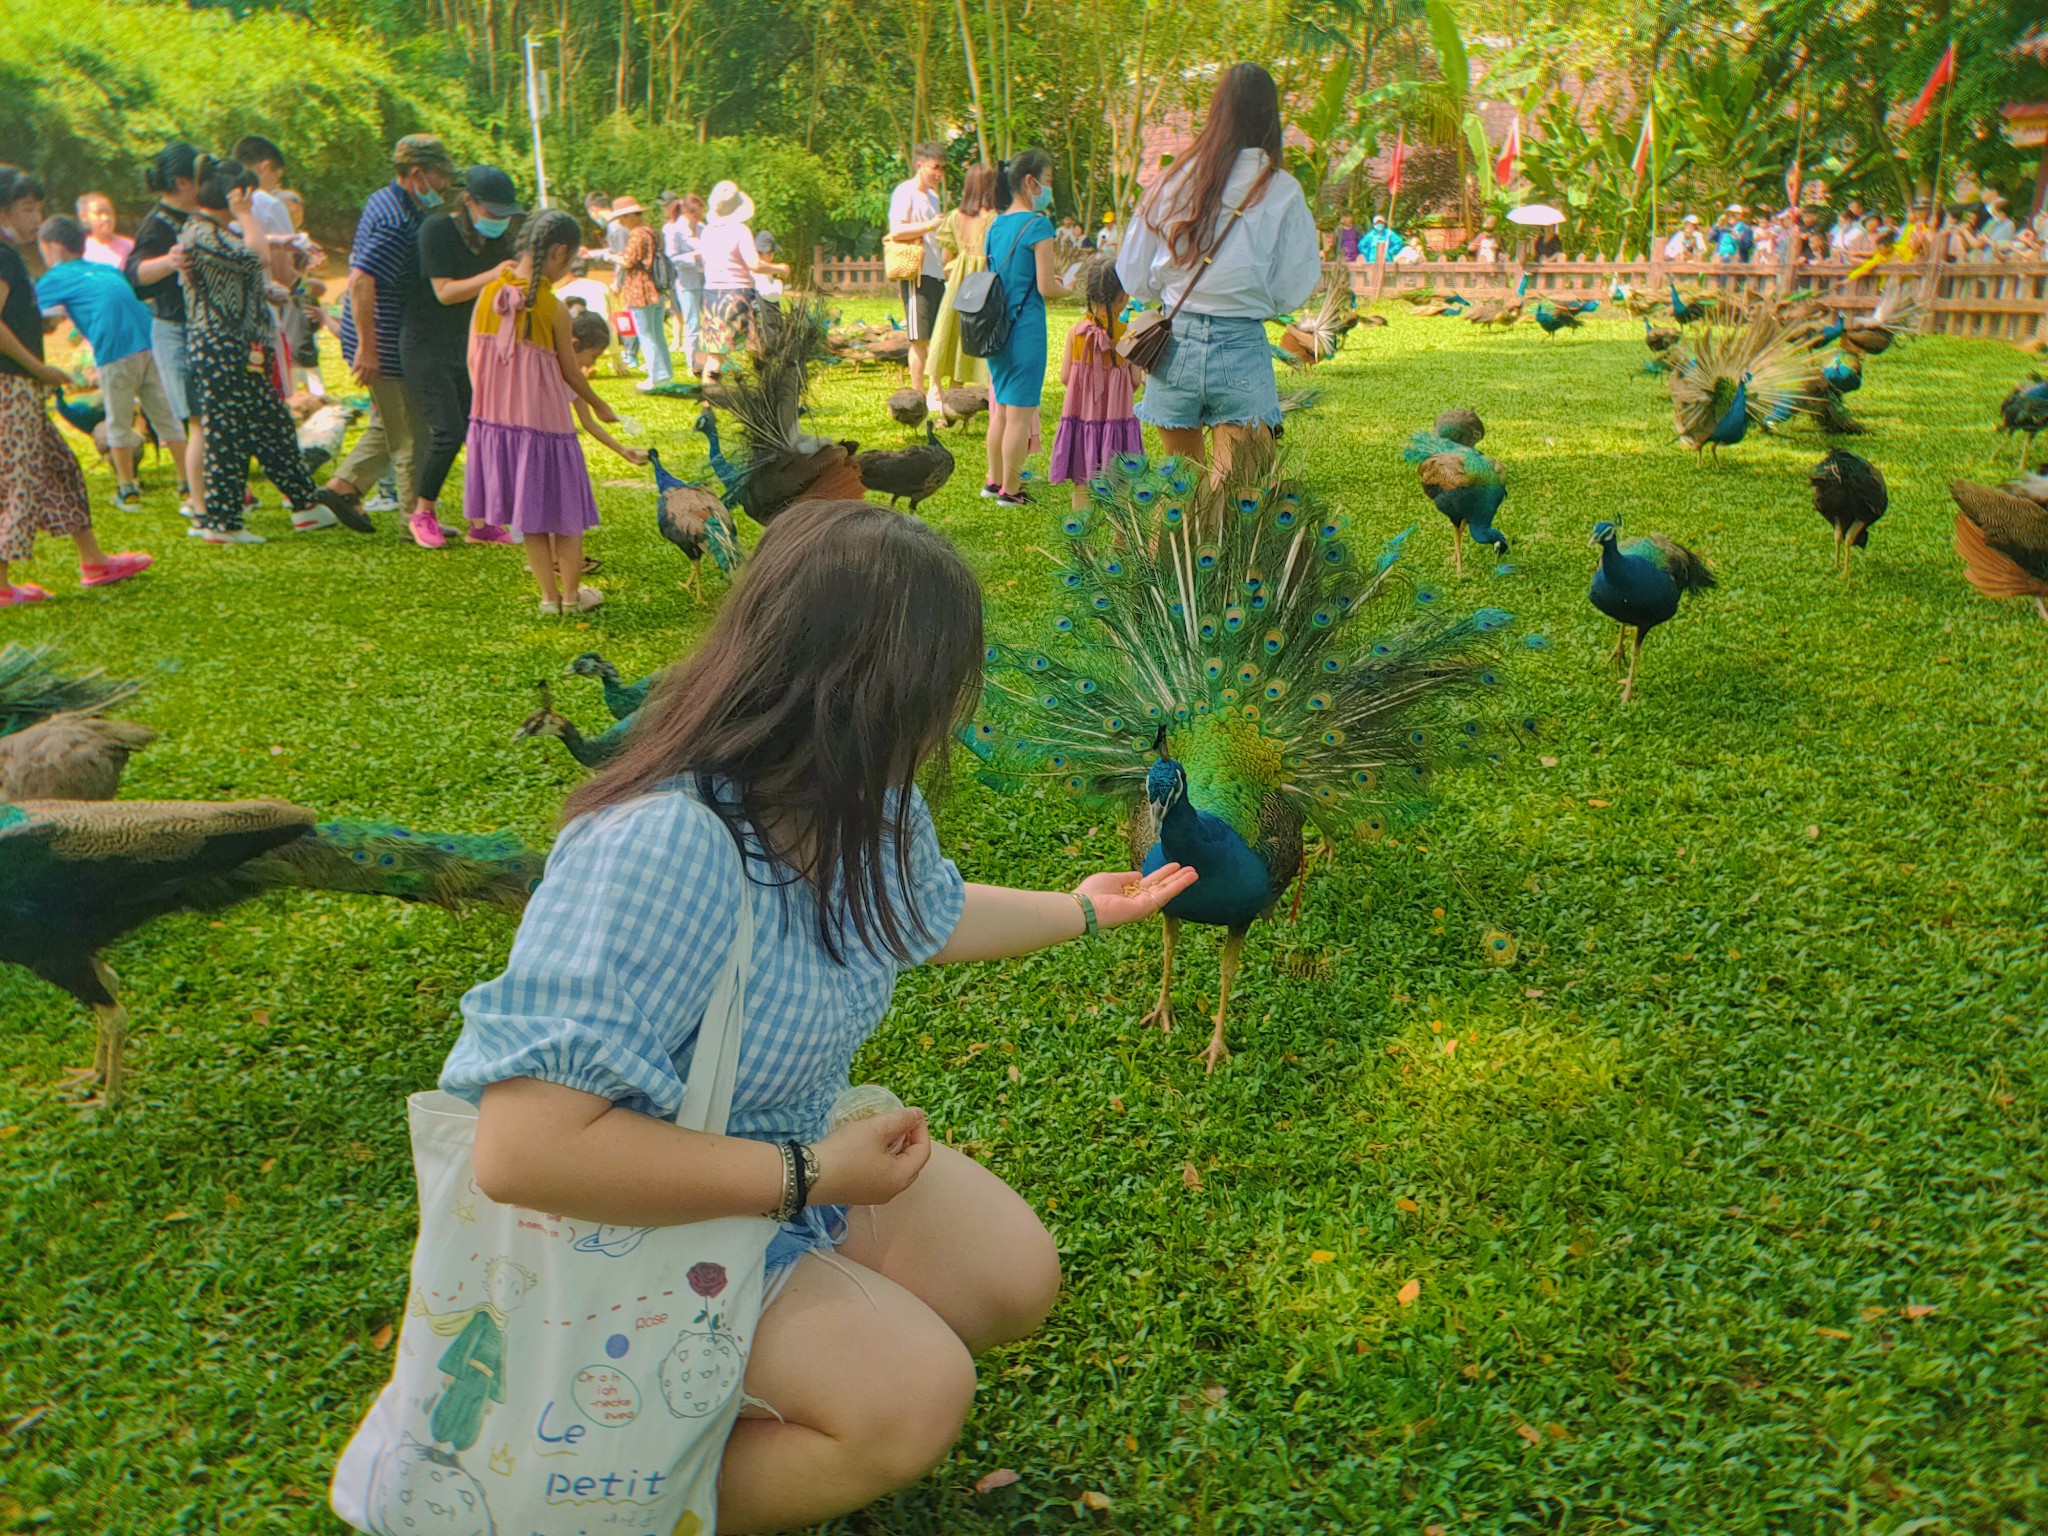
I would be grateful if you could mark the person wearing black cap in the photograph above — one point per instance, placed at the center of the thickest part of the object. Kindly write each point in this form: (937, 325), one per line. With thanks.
(461, 250)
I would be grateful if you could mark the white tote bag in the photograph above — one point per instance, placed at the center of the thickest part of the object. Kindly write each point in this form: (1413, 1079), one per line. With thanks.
(558, 1377)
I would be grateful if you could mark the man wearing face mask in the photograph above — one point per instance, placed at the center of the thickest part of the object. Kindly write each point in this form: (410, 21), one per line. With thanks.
(383, 276)
(461, 249)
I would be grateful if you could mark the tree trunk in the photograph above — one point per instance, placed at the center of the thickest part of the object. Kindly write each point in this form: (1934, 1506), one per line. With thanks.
(973, 80)
(625, 53)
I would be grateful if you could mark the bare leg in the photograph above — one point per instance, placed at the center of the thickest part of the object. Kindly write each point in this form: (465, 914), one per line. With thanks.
(540, 559)
(1187, 442)
(124, 465)
(1628, 684)
(89, 551)
(919, 351)
(995, 442)
(1162, 1013)
(195, 456)
(1019, 425)
(1233, 946)
(568, 565)
(1223, 446)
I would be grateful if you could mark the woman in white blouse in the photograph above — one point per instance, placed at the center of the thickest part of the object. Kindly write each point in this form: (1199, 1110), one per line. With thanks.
(1217, 372)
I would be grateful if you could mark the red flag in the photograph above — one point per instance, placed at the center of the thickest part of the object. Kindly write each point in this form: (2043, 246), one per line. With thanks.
(1646, 141)
(1795, 180)
(1504, 167)
(1394, 170)
(1944, 74)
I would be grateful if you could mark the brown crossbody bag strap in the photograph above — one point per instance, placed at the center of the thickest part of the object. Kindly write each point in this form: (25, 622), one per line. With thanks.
(1143, 344)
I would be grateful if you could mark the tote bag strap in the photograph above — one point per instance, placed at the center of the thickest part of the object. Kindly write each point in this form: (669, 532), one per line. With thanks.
(715, 1064)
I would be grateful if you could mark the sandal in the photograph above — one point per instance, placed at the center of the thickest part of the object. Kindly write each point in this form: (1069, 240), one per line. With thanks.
(550, 608)
(26, 592)
(114, 568)
(586, 599)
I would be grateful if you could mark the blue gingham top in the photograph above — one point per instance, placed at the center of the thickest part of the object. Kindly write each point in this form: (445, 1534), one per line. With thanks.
(622, 942)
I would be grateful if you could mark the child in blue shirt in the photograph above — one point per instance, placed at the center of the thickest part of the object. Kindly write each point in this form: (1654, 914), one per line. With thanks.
(116, 325)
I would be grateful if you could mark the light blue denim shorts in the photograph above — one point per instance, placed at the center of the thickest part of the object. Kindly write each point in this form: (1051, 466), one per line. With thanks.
(1218, 371)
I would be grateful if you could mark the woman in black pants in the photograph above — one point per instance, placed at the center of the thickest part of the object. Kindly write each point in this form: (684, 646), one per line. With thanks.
(460, 251)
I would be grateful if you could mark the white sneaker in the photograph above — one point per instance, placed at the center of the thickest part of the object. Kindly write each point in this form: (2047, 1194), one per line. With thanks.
(187, 510)
(586, 599)
(550, 610)
(377, 501)
(647, 386)
(223, 535)
(309, 518)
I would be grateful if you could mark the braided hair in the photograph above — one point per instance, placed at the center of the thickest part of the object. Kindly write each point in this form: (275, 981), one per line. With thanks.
(1102, 288)
(547, 229)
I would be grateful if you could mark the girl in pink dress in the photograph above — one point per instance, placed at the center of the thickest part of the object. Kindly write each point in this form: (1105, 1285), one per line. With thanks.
(1096, 420)
(526, 471)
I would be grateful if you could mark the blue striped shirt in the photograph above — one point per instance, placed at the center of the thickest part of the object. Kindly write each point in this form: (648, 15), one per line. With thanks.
(621, 945)
(387, 247)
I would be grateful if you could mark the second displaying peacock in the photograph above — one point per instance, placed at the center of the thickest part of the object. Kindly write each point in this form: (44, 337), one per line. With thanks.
(1225, 668)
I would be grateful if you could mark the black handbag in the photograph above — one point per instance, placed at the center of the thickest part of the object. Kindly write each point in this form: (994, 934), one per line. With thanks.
(984, 308)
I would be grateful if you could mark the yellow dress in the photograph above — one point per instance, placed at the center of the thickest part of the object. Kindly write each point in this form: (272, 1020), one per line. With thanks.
(966, 236)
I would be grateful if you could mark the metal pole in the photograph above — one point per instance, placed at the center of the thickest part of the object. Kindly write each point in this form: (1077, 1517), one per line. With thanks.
(1948, 91)
(540, 169)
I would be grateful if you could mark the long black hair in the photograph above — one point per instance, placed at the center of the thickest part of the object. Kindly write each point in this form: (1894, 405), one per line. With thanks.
(217, 178)
(838, 667)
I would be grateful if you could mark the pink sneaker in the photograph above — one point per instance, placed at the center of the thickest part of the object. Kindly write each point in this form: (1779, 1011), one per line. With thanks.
(116, 568)
(427, 531)
(27, 592)
(487, 533)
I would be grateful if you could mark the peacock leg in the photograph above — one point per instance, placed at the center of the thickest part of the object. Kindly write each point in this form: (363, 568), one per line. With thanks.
(1458, 548)
(2041, 607)
(1233, 946)
(1848, 544)
(1162, 1015)
(1628, 684)
(1620, 644)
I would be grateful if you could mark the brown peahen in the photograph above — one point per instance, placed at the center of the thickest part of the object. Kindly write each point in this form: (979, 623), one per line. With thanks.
(918, 472)
(69, 757)
(76, 876)
(1849, 494)
(2002, 536)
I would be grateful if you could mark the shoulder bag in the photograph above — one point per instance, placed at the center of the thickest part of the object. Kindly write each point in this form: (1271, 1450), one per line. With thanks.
(983, 304)
(556, 1376)
(1144, 340)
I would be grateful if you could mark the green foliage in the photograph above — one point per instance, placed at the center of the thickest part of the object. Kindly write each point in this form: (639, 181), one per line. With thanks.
(794, 194)
(89, 92)
(1765, 1071)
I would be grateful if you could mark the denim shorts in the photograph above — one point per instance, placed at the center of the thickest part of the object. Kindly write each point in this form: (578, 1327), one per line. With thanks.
(173, 370)
(1218, 371)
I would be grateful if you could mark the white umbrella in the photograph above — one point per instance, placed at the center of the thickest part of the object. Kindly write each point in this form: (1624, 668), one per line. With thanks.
(1535, 213)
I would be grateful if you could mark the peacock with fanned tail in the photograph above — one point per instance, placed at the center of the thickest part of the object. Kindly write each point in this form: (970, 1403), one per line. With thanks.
(77, 875)
(1726, 380)
(1226, 669)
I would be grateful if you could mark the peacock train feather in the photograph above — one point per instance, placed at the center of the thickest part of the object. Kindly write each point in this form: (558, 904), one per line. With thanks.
(1726, 380)
(33, 688)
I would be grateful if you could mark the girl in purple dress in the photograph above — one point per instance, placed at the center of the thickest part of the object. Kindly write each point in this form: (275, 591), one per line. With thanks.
(526, 469)
(1096, 420)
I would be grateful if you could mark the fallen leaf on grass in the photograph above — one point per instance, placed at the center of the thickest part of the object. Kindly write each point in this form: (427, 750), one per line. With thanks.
(1831, 1333)
(1321, 1256)
(1095, 1500)
(381, 1339)
(1529, 1433)
(1190, 1176)
(1014, 1075)
(1407, 1294)
(1813, 832)
(1435, 1530)
(989, 1482)
(1131, 1444)
(1915, 1313)
(1407, 1205)
(1599, 805)
(1548, 762)
(1215, 1391)
(268, 1164)
(1451, 1046)
(172, 1216)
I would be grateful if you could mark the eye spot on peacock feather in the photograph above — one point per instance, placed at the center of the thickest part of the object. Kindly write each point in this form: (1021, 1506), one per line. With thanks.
(1100, 603)
(1208, 629)
(1470, 727)
(1153, 712)
(1063, 624)
(1145, 495)
(1326, 795)
(1284, 518)
(1322, 618)
(1076, 783)
(1383, 649)
(1319, 701)
(1418, 738)
(1274, 643)
(1247, 673)
(1049, 701)
(1057, 760)
(1498, 947)
(1249, 712)
(1332, 666)
(1213, 667)
(1113, 722)
(1491, 679)
(1181, 485)
(1172, 516)
(1085, 685)
(1206, 557)
(1330, 530)
(1247, 504)
(1130, 463)
(1113, 568)
(1069, 580)
(1537, 642)
(1228, 695)
(1333, 738)
(984, 733)
(1425, 595)
(1276, 690)
(1366, 778)
(1335, 555)
(1258, 602)
(1371, 830)
(1041, 663)
(1233, 619)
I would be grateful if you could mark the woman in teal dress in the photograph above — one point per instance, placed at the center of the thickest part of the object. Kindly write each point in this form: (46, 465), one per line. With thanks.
(1020, 252)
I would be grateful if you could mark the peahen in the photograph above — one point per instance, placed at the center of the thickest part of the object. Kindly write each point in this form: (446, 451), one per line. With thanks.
(33, 688)
(1894, 312)
(780, 462)
(909, 407)
(2002, 536)
(959, 405)
(2024, 412)
(1726, 380)
(918, 472)
(1228, 630)
(1461, 424)
(1463, 484)
(1849, 494)
(69, 757)
(75, 876)
(1822, 394)
(1638, 585)
(623, 699)
(1659, 339)
(593, 752)
(694, 520)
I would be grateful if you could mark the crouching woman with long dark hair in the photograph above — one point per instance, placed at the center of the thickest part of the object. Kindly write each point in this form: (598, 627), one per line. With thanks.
(776, 765)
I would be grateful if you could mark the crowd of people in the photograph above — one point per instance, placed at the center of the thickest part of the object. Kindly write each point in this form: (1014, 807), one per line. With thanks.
(1983, 230)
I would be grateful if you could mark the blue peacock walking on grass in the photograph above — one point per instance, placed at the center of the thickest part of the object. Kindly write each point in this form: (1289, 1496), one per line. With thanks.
(592, 752)
(1638, 585)
(77, 875)
(1565, 317)
(622, 698)
(1463, 484)
(2024, 413)
(1725, 381)
(1226, 668)
(694, 519)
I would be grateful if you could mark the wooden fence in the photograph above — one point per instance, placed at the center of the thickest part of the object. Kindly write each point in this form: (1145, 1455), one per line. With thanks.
(2000, 301)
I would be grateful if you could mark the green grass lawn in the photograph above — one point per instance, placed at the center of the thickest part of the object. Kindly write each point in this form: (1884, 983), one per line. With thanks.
(1724, 1199)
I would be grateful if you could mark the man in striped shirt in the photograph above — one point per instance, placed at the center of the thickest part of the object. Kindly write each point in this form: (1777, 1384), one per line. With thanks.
(383, 270)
